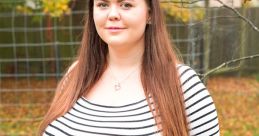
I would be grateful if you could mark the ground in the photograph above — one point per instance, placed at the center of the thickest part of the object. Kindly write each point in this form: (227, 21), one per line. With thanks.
(237, 102)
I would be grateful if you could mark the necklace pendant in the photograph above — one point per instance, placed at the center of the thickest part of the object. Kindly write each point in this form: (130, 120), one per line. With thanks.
(117, 86)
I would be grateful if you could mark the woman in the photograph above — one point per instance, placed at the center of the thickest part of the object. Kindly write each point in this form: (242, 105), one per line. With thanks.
(127, 80)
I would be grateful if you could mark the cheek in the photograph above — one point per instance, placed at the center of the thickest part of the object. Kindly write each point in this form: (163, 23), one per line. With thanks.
(138, 19)
(99, 18)
(96, 20)
(98, 25)
(99, 22)
(139, 24)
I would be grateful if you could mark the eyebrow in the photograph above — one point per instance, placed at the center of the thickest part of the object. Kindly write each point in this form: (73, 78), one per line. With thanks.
(124, 0)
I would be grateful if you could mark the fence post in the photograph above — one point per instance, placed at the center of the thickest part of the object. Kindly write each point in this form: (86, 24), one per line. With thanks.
(206, 47)
(56, 50)
(243, 33)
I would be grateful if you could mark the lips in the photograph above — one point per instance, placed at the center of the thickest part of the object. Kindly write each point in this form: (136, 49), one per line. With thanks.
(115, 29)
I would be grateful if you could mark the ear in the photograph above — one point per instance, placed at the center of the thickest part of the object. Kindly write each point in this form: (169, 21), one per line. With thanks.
(149, 20)
(149, 17)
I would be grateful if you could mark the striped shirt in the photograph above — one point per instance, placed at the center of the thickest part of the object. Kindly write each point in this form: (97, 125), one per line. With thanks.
(86, 118)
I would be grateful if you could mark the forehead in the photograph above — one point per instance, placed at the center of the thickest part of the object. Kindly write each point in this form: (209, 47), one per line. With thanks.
(118, 0)
(135, 2)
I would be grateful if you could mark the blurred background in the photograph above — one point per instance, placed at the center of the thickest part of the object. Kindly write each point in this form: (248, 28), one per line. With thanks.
(39, 40)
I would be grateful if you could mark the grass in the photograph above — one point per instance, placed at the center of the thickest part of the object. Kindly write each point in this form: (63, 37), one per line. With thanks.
(237, 102)
(236, 99)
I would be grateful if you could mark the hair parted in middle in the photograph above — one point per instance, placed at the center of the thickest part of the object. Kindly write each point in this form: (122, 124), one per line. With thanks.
(159, 75)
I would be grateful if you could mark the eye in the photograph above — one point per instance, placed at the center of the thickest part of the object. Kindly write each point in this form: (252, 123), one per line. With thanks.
(102, 5)
(126, 5)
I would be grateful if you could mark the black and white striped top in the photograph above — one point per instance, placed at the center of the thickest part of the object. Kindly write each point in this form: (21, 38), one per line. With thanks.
(135, 119)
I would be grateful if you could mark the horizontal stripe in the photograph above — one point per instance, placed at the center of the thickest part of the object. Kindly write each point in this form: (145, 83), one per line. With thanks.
(186, 70)
(194, 94)
(191, 87)
(204, 123)
(106, 106)
(112, 111)
(208, 129)
(59, 129)
(142, 127)
(196, 102)
(48, 134)
(188, 79)
(136, 118)
(109, 134)
(113, 116)
(112, 121)
(217, 132)
(202, 116)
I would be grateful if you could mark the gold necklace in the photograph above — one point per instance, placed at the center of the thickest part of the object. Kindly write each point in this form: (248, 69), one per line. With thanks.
(117, 84)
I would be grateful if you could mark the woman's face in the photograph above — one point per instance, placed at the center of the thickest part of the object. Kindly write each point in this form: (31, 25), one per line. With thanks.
(120, 22)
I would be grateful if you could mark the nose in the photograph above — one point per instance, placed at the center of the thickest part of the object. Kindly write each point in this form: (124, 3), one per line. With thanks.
(114, 14)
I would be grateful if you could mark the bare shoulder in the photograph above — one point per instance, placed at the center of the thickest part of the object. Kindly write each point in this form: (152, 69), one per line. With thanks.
(72, 66)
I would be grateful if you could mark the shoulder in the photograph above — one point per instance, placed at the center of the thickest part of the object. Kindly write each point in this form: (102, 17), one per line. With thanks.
(71, 67)
(191, 84)
(186, 73)
(67, 75)
(188, 77)
(69, 70)
(200, 109)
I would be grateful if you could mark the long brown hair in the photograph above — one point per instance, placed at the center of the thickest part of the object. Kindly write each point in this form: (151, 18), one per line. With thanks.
(159, 75)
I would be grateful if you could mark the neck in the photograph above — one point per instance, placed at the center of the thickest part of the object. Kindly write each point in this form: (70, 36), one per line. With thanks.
(125, 58)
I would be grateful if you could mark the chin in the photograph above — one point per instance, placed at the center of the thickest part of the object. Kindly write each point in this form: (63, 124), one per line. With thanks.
(116, 42)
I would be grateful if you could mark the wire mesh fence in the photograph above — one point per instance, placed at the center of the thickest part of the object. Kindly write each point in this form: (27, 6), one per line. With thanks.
(35, 49)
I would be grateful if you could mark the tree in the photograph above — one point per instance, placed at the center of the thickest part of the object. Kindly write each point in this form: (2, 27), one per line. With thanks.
(54, 8)
(183, 10)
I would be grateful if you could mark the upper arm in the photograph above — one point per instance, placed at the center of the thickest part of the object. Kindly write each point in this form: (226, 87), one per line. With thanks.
(66, 77)
(72, 66)
(200, 109)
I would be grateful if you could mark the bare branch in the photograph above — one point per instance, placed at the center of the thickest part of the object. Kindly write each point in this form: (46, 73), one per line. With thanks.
(210, 18)
(240, 16)
(181, 2)
(227, 63)
(223, 4)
